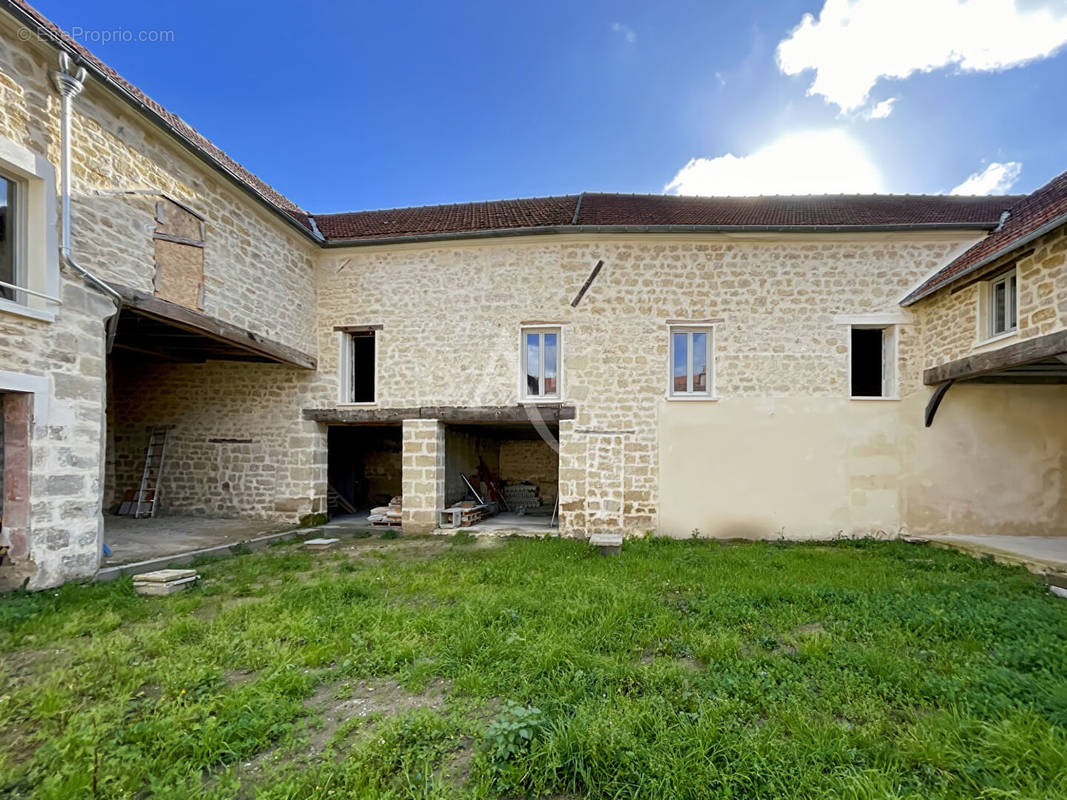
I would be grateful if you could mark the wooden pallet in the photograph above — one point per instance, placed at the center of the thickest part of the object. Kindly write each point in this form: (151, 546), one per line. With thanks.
(465, 516)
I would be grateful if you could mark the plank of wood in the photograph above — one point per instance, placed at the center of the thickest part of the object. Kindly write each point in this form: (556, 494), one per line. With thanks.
(211, 328)
(1050, 345)
(446, 414)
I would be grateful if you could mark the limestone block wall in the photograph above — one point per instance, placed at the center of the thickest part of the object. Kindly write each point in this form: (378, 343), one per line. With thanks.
(237, 446)
(781, 353)
(258, 274)
(258, 269)
(59, 367)
(531, 460)
(424, 474)
(951, 321)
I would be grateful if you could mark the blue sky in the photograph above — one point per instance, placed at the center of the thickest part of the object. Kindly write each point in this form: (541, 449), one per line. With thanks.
(373, 105)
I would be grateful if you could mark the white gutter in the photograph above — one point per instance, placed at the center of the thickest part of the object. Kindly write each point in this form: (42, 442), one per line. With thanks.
(69, 82)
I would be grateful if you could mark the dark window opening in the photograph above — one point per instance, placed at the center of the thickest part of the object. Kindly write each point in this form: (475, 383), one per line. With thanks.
(363, 367)
(8, 265)
(868, 371)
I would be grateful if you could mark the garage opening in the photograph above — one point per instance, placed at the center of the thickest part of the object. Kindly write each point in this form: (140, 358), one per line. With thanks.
(501, 477)
(365, 467)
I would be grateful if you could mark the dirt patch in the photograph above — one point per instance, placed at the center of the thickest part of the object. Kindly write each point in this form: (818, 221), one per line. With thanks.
(22, 665)
(811, 629)
(238, 677)
(366, 699)
(328, 709)
(416, 548)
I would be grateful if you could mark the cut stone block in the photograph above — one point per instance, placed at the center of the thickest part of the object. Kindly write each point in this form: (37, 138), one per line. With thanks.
(321, 544)
(154, 588)
(164, 575)
(609, 544)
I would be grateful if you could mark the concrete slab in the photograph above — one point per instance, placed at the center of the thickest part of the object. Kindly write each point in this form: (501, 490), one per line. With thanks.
(1044, 555)
(134, 540)
(510, 522)
(224, 542)
(320, 544)
(156, 588)
(165, 575)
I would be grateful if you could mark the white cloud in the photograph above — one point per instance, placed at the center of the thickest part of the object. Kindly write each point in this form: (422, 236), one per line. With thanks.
(626, 32)
(813, 162)
(854, 43)
(881, 110)
(996, 178)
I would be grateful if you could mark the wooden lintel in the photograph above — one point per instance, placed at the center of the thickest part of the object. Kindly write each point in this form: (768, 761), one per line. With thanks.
(448, 414)
(199, 323)
(1051, 345)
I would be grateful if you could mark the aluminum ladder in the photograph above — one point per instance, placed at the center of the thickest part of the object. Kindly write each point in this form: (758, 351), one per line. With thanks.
(148, 496)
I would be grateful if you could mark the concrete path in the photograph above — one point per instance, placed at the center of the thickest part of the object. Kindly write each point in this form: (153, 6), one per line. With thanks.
(164, 542)
(1044, 555)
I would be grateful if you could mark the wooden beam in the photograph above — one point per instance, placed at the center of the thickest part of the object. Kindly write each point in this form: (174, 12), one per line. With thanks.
(187, 319)
(588, 282)
(935, 401)
(1051, 345)
(487, 415)
(156, 354)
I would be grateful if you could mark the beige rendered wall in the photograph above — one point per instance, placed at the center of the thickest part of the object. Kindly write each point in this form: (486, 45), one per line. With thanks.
(783, 448)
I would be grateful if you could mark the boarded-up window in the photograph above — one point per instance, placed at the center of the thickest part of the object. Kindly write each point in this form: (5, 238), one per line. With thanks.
(179, 254)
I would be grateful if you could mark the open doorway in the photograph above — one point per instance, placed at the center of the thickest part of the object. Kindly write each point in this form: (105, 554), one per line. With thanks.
(365, 467)
(511, 468)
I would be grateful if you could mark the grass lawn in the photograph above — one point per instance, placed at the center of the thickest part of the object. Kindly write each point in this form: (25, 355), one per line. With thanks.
(534, 668)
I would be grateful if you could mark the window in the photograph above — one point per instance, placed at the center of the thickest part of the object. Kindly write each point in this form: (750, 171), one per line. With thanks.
(29, 250)
(541, 363)
(358, 370)
(9, 222)
(1002, 304)
(873, 353)
(692, 373)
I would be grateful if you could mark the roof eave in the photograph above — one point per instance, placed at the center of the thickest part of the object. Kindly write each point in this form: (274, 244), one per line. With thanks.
(651, 229)
(1037, 233)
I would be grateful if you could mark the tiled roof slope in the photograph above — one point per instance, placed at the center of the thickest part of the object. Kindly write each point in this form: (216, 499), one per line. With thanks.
(180, 127)
(790, 211)
(1025, 218)
(534, 212)
(663, 211)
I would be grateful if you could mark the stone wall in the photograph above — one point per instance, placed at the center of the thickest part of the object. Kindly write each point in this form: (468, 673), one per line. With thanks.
(951, 321)
(424, 474)
(258, 274)
(534, 461)
(779, 348)
(237, 445)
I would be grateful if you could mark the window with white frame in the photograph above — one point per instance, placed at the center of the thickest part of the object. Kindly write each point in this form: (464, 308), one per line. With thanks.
(1001, 304)
(541, 363)
(692, 361)
(29, 252)
(873, 361)
(358, 366)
